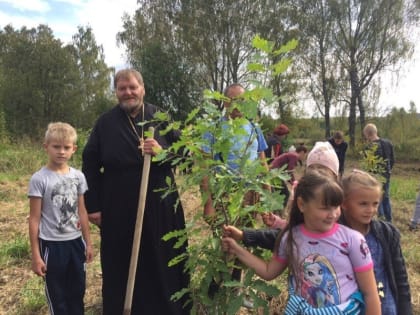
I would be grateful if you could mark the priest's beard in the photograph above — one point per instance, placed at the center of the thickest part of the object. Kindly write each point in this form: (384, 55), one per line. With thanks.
(131, 109)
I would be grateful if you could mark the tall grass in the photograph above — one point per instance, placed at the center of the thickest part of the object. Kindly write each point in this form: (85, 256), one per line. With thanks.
(15, 250)
(20, 158)
(26, 157)
(32, 297)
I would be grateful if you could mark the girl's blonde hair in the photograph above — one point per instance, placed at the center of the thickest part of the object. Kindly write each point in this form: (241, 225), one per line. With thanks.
(312, 185)
(359, 179)
(60, 131)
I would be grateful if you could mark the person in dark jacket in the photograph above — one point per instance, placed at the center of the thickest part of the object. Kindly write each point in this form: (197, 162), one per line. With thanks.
(113, 164)
(384, 150)
(362, 195)
(340, 148)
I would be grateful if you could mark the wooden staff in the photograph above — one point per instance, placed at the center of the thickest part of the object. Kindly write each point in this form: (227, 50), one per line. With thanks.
(137, 232)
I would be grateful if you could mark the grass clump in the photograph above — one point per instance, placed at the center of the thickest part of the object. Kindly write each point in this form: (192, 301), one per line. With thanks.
(14, 251)
(32, 297)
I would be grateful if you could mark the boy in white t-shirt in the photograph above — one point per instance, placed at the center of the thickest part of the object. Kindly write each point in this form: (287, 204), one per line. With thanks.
(58, 223)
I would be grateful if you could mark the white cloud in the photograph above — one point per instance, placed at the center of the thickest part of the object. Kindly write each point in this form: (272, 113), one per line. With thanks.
(71, 2)
(18, 21)
(106, 22)
(103, 16)
(31, 5)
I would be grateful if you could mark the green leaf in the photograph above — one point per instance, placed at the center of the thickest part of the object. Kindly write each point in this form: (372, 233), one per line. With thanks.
(281, 66)
(176, 260)
(235, 305)
(173, 234)
(256, 67)
(289, 46)
(262, 44)
(162, 116)
(191, 115)
(179, 294)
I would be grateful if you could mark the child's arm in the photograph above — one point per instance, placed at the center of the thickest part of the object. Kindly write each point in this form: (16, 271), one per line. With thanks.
(265, 238)
(266, 270)
(38, 264)
(84, 222)
(233, 232)
(367, 285)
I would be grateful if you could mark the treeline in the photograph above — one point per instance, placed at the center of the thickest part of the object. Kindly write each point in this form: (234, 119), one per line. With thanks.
(183, 47)
(400, 126)
(43, 80)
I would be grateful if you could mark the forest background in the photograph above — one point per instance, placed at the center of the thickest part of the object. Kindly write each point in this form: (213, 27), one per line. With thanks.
(335, 54)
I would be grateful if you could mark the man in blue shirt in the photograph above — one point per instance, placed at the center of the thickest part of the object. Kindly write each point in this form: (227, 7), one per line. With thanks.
(249, 145)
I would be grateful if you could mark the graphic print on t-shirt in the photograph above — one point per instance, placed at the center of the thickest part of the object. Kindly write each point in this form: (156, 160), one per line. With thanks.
(64, 198)
(319, 283)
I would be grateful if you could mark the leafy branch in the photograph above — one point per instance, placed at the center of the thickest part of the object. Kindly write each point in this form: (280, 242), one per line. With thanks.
(212, 289)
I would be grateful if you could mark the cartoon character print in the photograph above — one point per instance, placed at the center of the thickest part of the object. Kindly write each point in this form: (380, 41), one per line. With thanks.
(64, 197)
(364, 249)
(319, 285)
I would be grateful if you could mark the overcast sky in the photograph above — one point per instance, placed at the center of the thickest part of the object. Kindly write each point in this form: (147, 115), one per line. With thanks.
(104, 16)
(64, 16)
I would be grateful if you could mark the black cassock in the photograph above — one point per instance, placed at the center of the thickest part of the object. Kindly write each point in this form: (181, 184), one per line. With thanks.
(112, 164)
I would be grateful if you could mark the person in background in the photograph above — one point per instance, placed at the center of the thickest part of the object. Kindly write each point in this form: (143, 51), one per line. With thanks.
(415, 220)
(340, 147)
(321, 157)
(362, 195)
(58, 223)
(289, 160)
(250, 144)
(275, 142)
(113, 164)
(385, 151)
(328, 263)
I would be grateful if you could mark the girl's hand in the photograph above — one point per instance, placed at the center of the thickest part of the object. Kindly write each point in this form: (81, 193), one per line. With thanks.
(268, 218)
(230, 246)
(233, 232)
(274, 221)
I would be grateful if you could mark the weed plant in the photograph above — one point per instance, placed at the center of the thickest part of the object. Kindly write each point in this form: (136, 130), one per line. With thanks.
(16, 250)
(32, 295)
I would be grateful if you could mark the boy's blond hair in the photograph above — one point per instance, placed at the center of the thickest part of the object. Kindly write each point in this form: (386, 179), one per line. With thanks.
(370, 131)
(60, 131)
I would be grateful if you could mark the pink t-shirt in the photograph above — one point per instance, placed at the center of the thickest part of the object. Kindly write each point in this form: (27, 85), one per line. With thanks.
(327, 263)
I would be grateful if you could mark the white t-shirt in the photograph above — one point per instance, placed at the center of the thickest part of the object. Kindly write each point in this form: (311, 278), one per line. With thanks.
(60, 195)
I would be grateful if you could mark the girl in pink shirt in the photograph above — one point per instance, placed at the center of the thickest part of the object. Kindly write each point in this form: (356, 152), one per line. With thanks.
(328, 263)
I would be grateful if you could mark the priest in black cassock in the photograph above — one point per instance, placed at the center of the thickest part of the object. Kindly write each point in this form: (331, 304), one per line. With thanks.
(112, 164)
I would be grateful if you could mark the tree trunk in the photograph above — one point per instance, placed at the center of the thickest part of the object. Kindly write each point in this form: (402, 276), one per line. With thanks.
(361, 110)
(355, 91)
